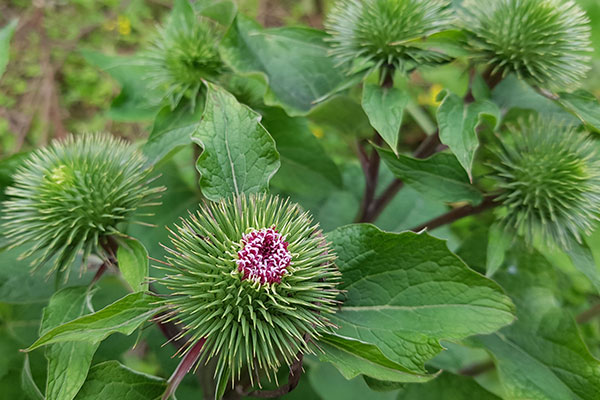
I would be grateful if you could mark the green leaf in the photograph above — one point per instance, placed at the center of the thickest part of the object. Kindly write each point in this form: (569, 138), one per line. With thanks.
(28, 384)
(112, 380)
(447, 386)
(385, 108)
(329, 384)
(136, 102)
(513, 92)
(405, 292)
(19, 285)
(583, 259)
(239, 154)
(542, 355)
(123, 316)
(584, 106)
(353, 357)
(305, 166)
(132, 257)
(440, 176)
(343, 115)
(458, 126)
(182, 14)
(5, 36)
(68, 362)
(223, 12)
(294, 59)
(499, 242)
(171, 129)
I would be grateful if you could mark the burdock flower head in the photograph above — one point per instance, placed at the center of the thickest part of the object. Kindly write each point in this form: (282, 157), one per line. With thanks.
(545, 42)
(71, 195)
(550, 181)
(387, 32)
(254, 278)
(181, 56)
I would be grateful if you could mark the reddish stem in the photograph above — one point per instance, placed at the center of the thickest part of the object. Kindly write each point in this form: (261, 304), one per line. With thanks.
(186, 364)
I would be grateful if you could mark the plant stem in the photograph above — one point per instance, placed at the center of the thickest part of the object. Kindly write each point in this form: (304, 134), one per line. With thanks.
(371, 164)
(188, 361)
(293, 380)
(588, 315)
(458, 213)
(477, 369)
(428, 147)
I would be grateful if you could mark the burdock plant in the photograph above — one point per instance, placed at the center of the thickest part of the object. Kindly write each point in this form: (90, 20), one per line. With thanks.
(387, 32)
(545, 42)
(70, 196)
(254, 278)
(182, 55)
(550, 181)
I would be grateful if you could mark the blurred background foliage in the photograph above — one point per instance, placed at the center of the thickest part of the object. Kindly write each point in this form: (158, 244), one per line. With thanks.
(51, 89)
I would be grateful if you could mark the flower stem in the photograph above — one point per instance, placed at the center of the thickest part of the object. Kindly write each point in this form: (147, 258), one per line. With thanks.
(186, 364)
(458, 213)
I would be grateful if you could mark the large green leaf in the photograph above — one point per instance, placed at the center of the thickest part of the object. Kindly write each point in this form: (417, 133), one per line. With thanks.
(405, 292)
(513, 92)
(171, 129)
(5, 36)
(584, 106)
(133, 263)
(136, 102)
(28, 384)
(447, 387)
(458, 124)
(123, 316)
(239, 154)
(112, 380)
(353, 357)
(385, 108)
(68, 362)
(542, 355)
(440, 176)
(294, 59)
(583, 259)
(305, 167)
(329, 384)
(18, 284)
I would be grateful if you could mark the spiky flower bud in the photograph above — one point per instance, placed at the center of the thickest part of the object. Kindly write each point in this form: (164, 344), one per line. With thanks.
(545, 42)
(550, 181)
(69, 196)
(180, 57)
(384, 32)
(255, 278)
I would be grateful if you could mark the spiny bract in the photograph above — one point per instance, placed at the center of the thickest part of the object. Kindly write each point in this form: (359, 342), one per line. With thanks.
(385, 32)
(550, 181)
(546, 42)
(181, 57)
(70, 195)
(256, 278)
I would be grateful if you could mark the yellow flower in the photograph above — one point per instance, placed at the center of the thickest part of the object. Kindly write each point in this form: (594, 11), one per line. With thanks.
(124, 25)
(430, 98)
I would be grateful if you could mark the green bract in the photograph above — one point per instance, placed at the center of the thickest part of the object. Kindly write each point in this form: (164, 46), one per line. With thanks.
(70, 195)
(255, 278)
(386, 31)
(181, 56)
(550, 177)
(546, 42)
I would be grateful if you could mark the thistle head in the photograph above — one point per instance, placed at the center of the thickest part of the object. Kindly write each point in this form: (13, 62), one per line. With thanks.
(69, 196)
(550, 181)
(545, 42)
(181, 57)
(384, 32)
(255, 278)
